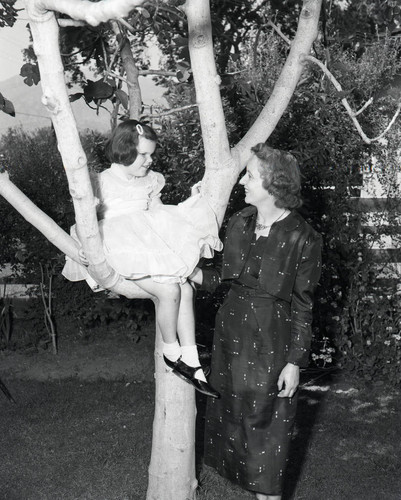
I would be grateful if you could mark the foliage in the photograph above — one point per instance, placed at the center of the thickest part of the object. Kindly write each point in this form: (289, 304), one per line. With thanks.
(8, 13)
(6, 106)
(77, 304)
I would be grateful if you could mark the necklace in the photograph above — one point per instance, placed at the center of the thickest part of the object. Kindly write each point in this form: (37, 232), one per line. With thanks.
(262, 227)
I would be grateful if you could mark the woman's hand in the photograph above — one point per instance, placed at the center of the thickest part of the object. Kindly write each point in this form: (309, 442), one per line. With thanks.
(195, 189)
(288, 381)
(196, 276)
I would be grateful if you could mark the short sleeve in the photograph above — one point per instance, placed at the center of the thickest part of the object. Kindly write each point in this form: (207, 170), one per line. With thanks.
(158, 183)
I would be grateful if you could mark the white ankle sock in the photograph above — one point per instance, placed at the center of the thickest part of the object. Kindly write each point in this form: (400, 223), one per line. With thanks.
(191, 358)
(172, 351)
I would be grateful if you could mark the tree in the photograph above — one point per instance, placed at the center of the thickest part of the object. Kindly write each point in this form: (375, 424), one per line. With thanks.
(172, 465)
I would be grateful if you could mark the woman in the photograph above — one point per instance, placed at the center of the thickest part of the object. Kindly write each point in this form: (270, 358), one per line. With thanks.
(272, 258)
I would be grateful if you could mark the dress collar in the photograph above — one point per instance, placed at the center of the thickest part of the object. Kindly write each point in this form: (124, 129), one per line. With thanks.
(116, 170)
(289, 223)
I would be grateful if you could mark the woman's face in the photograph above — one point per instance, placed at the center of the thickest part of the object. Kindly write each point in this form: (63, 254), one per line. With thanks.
(252, 181)
(143, 161)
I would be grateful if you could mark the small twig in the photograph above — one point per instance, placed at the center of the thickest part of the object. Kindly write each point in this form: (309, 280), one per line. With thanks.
(7, 392)
(160, 72)
(105, 57)
(347, 106)
(127, 25)
(278, 30)
(49, 323)
(170, 111)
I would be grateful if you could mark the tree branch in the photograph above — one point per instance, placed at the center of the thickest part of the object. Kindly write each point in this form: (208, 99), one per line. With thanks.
(134, 90)
(278, 30)
(286, 83)
(170, 111)
(92, 13)
(216, 184)
(347, 106)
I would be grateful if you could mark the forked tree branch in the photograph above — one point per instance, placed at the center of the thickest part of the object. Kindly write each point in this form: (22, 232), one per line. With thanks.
(337, 85)
(345, 103)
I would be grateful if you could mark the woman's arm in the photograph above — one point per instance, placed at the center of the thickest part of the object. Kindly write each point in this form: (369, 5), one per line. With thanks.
(308, 275)
(306, 280)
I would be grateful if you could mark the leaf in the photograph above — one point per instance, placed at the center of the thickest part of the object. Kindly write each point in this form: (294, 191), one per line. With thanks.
(75, 97)
(145, 13)
(6, 106)
(123, 97)
(30, 73)
(9, 108)
(183, 75)
(180, 41)
(97, 90)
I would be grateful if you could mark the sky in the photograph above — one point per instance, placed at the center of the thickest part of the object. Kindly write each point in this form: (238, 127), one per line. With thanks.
(12, 41)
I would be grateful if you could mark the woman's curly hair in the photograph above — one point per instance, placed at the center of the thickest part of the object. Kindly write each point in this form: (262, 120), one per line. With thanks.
(280, 174)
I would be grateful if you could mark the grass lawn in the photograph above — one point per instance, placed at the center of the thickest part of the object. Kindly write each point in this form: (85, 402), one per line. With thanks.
(81, 429)
(75, 439)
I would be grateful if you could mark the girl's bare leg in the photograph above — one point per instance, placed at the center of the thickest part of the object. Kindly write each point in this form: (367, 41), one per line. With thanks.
(186, 330)
(260, 496)
(186, 316)
(167, 302)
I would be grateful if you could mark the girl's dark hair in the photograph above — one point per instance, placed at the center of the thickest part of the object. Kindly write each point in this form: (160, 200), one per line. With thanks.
(280, 174)
(122, 146)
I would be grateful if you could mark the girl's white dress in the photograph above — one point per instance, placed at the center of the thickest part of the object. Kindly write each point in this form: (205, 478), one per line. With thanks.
(143, 239)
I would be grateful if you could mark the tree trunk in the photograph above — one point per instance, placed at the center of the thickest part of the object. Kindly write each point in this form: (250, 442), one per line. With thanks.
(172, 464)
(172, 469)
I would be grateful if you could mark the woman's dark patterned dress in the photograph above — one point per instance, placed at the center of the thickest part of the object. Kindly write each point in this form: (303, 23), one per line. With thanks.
(248, 430)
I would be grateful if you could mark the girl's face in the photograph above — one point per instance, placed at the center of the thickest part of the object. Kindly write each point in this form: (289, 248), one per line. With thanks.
(143, 161)
(252, 181)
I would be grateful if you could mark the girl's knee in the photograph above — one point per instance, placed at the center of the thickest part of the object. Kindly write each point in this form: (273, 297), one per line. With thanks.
(187, 292)
(170, 292)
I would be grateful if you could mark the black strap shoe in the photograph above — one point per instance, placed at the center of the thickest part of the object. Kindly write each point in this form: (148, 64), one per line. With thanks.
(187, 373)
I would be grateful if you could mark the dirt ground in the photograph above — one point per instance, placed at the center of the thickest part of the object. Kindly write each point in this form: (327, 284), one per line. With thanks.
(107, 353)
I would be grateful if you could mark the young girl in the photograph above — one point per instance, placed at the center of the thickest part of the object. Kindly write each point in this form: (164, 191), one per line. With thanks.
(156, 245)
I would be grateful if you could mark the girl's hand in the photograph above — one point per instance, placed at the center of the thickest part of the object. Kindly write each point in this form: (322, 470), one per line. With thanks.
(82, 257)
(195, 189)
(288, 381)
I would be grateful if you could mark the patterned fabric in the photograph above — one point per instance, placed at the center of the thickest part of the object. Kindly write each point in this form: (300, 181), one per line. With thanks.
(142, 238)
(264, 323)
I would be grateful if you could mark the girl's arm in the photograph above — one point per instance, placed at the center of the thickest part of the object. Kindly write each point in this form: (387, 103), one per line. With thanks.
(157, 186)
